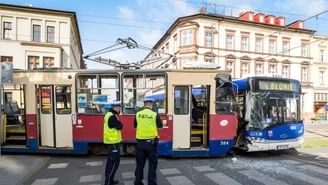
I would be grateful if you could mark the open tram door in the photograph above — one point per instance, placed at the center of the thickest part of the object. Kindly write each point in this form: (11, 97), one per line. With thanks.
(190, 117)
(54, 116)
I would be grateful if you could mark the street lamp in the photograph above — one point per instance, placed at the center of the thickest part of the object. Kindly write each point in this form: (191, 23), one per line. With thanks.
(212, 38)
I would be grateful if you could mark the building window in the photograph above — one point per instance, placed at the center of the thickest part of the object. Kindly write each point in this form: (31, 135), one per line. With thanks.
(229, 42)
(244, 43)
(36, 33)
(187, 37)
(229, 66)
(285, 71)
(272, 47)
(321, 77)
(285, 47)
(258, 45)
(175, 44)
(244, 69)
(7, 59)
(7, 26)
(185, 60)
(304, 50)
(304, 74)
(258, 69)
(48, 62)
(33, 62)
(51, 34)
(321, 55)
(208, 39)
(272, 68)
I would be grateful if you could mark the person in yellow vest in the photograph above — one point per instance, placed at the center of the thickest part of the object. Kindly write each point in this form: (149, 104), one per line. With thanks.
(146, 123)
(112, 138)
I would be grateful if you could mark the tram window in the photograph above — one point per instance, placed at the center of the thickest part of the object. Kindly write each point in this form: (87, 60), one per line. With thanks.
(63, 100)
(181, 100)
(137, 87)
(46, 107)
(225, 97)
(95, 92)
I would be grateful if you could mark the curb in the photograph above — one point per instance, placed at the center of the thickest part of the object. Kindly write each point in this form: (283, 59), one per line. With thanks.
(32, 172)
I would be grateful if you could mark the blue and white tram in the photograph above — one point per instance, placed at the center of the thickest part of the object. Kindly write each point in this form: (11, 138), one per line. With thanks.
(269, 115)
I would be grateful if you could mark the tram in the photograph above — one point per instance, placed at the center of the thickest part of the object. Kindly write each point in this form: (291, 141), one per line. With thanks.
(269, 115)
(62, 110)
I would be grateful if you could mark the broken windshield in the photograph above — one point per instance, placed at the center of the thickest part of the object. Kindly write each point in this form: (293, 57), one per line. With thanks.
(266, 109)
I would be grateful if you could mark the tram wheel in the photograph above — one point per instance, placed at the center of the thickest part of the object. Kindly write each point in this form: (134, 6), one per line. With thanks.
(97, 149)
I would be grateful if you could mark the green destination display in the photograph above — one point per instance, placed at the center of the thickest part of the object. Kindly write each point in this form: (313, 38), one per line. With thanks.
(278, 86)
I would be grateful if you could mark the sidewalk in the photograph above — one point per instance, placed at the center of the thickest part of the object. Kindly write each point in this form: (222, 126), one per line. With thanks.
(14, 168)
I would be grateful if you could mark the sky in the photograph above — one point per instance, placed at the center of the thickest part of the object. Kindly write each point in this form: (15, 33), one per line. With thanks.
(102, 22)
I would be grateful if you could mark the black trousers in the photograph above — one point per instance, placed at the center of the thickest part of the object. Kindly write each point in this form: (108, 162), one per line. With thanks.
(146, 149)
(113, 162)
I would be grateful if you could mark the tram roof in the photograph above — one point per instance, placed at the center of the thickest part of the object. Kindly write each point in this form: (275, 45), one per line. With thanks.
(90, 71)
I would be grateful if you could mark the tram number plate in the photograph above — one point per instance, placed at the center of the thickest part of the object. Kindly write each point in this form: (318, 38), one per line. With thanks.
(282, 147)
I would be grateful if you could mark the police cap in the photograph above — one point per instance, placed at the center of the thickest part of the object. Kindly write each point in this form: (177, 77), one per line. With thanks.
(149, 101)
(116, 104)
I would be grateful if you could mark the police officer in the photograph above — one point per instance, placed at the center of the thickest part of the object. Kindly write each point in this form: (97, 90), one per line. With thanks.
(112, 138)
(146, 123)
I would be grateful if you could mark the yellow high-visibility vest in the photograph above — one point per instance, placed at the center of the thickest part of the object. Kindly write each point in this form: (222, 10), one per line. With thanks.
(111, 135)
(146, 127)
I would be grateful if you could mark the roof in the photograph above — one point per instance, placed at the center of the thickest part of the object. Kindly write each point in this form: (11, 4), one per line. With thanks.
(219, 17)
(54, 11)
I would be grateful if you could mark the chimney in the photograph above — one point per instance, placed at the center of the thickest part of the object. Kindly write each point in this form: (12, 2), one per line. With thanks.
(259, 17)
(202, 10)
(248, 16)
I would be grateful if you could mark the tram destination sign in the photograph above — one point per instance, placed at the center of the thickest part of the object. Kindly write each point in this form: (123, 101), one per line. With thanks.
(277, 86)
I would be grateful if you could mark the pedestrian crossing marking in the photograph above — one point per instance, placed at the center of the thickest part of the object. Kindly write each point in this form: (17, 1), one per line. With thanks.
(300, 176)
(60, 165)
(127, 175)
(49, 181)
(290, 162)
(90, 178)
(220, 178)
(180, 180)
(95, 163)
(315, 169)
(204, 168)
(259, 177)
(169, 171)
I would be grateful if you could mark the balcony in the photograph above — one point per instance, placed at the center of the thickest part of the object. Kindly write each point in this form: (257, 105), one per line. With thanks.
(307, 84)
(188, 49)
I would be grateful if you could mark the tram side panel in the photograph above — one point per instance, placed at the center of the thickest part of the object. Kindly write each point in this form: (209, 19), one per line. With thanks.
(222, 133)
(88, 130)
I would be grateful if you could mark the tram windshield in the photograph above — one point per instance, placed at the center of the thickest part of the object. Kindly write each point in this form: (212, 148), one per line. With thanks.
(266, 108)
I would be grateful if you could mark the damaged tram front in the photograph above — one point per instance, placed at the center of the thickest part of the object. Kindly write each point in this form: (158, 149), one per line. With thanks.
(269, 114)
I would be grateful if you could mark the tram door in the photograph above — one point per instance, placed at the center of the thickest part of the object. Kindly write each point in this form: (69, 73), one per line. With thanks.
(182, 117)
(55, 116)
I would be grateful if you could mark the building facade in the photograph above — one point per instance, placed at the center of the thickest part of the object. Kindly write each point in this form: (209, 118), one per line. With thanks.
(320, 76)
(39, 38)
(248, 44)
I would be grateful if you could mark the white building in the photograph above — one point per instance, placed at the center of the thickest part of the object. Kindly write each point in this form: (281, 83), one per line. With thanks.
(38, 38)
(320, 76)
(248, 44)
